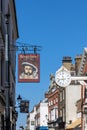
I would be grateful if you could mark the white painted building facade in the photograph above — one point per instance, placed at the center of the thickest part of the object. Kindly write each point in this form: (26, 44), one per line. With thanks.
(31, 120)
(38, 117)
(42, 114)
(73, 94)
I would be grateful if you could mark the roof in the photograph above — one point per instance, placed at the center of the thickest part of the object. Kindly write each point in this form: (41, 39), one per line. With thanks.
(83, 62)
(74, 124)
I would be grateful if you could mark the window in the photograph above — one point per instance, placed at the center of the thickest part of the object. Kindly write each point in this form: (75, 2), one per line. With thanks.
(56, 113)
(32, 122)
(86, 119)
(2, 5)
(63, 93)
(61, 113)
(85, 110)
(72, 73)
(54, 101)
(60, 96)
(49, 103)
(53, 114)
(85, 93)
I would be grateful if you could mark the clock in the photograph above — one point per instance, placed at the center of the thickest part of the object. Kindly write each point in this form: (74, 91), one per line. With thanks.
(63, 77)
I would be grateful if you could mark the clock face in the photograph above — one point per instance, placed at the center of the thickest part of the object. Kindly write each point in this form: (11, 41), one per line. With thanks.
(63, 77)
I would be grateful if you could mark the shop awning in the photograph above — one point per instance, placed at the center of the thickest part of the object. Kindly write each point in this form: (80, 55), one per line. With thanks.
(74, 124)
(43, 128)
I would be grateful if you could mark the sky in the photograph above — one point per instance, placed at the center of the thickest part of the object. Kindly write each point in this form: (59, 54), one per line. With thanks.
(60, 28)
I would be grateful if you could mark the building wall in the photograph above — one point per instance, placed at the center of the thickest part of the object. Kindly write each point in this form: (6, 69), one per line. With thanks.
(53, 105)
(43, 114)
(8, 7)
(32, 120)
(39, 115)
(73, 93)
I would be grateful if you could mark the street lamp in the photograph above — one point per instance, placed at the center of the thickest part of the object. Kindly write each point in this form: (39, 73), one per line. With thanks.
(19, 98)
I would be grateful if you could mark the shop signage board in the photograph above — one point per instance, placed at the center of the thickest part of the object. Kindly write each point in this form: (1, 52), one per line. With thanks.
(28, 68)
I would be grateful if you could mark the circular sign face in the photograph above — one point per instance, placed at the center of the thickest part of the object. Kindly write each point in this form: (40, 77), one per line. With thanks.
(63, 77)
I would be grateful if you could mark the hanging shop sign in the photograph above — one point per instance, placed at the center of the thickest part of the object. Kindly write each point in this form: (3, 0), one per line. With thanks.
(24, 106)
(28, 67)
